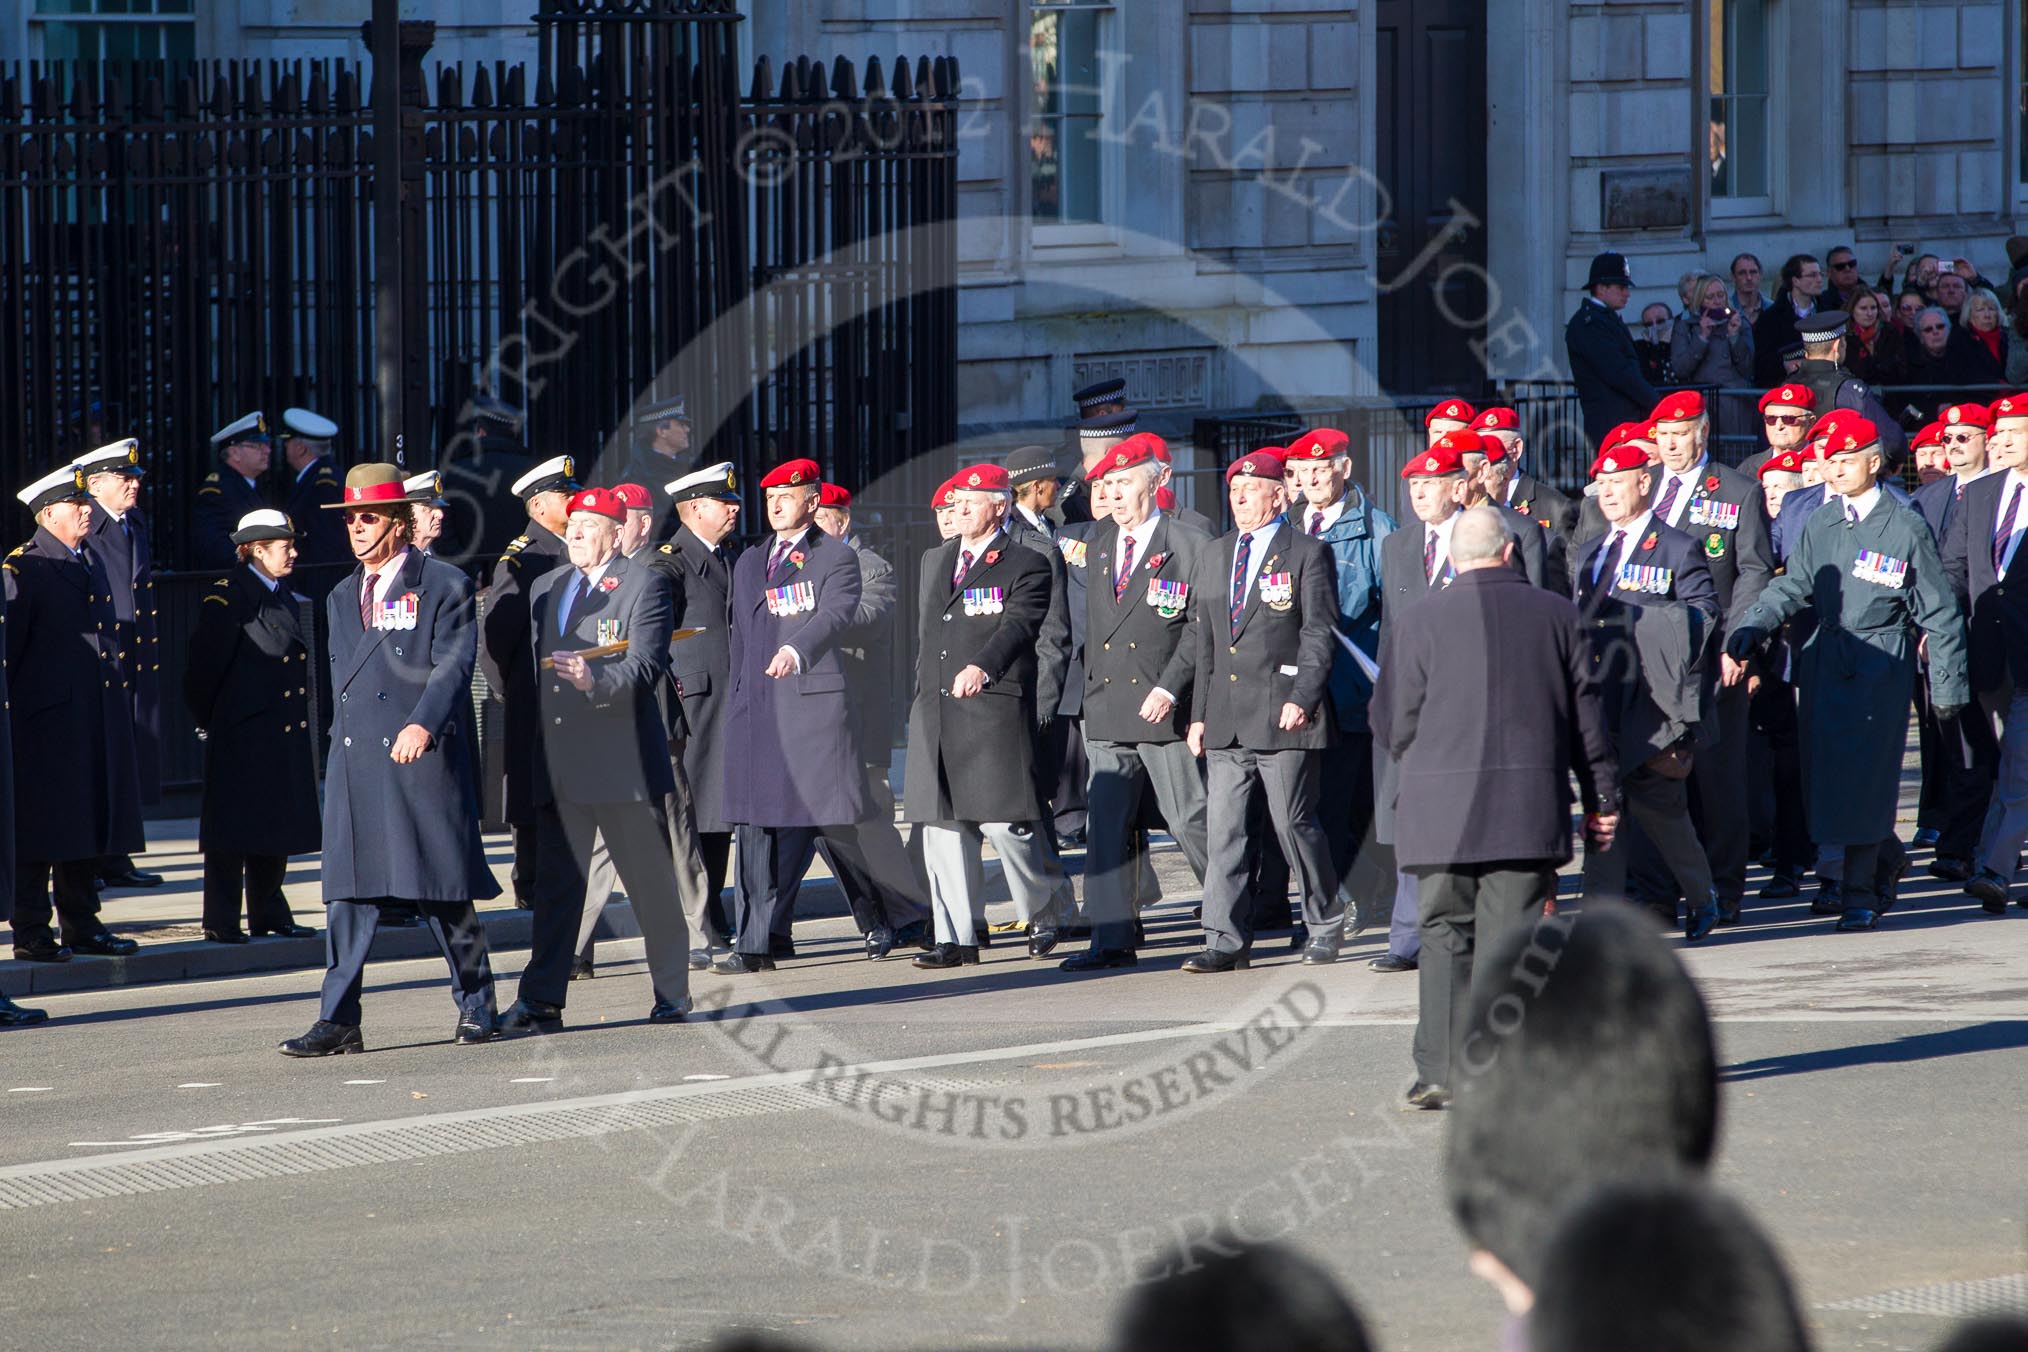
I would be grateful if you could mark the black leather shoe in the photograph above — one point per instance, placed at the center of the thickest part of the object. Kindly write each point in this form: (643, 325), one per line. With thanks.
(1889, 887)
(781, 946)
(14, 1016)
(1042, 942)
(915, 934)
(287, 930)
(879, 942)
(732, 964)
(1071, 840)
(1728, 910)
(105, 944)
(1858, 919)
(1699, 921)
(1216, 960)
(945, 955)
(530, 1016)
(700, 959)
(1321, 951)
(1432, 1097)
(227, 936)
(1988, 888)
(472, 1028)
(1780, 888)
(1926, 837)
(580, 969)
(1830, 898)
(1392, 962)
(134, 877)
(1099, 959)
(45, 949)
(1951, 868)
(326, 1039)
(670, 1011)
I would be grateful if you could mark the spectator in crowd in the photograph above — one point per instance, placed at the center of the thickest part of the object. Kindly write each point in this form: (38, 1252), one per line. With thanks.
(1603, 364)
(1935, 359)
(1950, 293)
(1664, 1265)
(1242, 1296)
(1872, 345)
(1984, 338)
(1921, 276)
(1894, 257)
(1841, 269)
(1654, 345)
(1906, 307)
(1802, 281)
(1746, 295)
(1712, 344)
(2017, 344)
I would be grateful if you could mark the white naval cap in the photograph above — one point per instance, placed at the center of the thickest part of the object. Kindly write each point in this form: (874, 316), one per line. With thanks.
(115, 457)
(713, 481)
(59, 485)
(313, 426)
(264, 523)
(558, 473)
(252, 427)
(426, 487)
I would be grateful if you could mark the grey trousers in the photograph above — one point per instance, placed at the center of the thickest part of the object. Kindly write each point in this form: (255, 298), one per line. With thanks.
(1289, 781)
(957, 875)
(1121, 772)
(2007, 814)
(693, 882)
(1463, 909)
(1404, 931)
(1717, 791)
(1662, 806)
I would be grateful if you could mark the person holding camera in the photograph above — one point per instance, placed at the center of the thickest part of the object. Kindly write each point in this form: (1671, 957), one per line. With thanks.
(1711, 345)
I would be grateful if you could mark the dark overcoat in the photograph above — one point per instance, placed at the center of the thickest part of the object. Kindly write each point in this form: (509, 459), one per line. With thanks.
(72, 723)
(700, 597)
(508, 658)
(222, 499)
(1726, 518)
(129, 560)
(973, 760)
(1997, 636)
(609, 744)
(792, 758)
(1280, 652)
(6, 781)
(320, 534)
(865, 647)
(1477, 784)
(1059, 664)
(1857, 670)
(1606, 370)
(1145, 638)
(1799, 506)
(1543, 504)
(410, 832)
(246, 683)
(1650, 625)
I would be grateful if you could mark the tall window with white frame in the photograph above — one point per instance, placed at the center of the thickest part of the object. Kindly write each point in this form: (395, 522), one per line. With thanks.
(113, 30)
(1065, 169)
(1737, 88)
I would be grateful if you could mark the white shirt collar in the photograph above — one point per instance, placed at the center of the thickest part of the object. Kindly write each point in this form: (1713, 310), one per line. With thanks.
(1331, 513)
(592, 577)
(1140, 534)
(391, 567)
(1633, 530)
(1863, 503)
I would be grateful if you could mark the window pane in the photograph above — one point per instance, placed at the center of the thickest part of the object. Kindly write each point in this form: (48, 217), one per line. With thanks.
(1747, 67)
(1749, 147)
(1738, 126)
(1065, 164)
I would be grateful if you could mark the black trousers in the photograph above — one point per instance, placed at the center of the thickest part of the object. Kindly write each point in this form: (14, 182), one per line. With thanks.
(882, 884)
(77, 899)
(348, 938)
(637, 836)
(257, 878)
(1064, 771)
(1718, 808)
(1659, 806)
(1957, 787)
(521, 877)
(1365, 874)
(1462, 909)
(1772, 710)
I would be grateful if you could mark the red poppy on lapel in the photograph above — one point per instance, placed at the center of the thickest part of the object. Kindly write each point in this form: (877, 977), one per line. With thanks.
(992, 557)
(1648, 543)
(796, 557)
(1711, 482)
(607, 584)
(1154, 560)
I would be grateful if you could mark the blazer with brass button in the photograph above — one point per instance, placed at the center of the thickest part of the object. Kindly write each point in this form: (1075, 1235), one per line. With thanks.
(129, 559)
(509, 659)
(1147, 637)
(247, 685)
(410, 832)
(973, 760)
(73, 726)
(700, 597)
(1280, 654)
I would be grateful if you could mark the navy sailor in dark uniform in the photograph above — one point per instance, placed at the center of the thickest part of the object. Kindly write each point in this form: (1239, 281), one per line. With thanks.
(313, 486)
(401, 805)
(230, 491)
(247, 687)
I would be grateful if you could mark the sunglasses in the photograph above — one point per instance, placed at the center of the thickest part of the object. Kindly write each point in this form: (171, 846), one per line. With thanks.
(1960, 438)
(1841, 264)
(365, 518)
(1784, 419)
(1935, 328)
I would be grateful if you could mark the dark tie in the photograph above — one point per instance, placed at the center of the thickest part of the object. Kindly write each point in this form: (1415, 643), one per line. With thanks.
(775, 556)
(1606, 556)
(366, 600)
(1126, 569)
(964, 567)
(1668, 499)
(1428, 553)
(570, 590)
(1240, 576)
(1851, 512)
(2006, 530)
(1316, 523)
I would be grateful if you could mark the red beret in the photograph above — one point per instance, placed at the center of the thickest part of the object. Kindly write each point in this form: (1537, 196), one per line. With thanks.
(604, 501)
(1457, 410)
(1137, 449)
(1156, 447)
(1930, 435)
(2009, 406)
(1789, 396)
(793, 473)
(834, 495)
(1788, 462)
(1497, 419)
(1851, 433)
(634, 497)
(1682, 406)
(1617, 457)
(1966, 415)
(1628, 431)
(986, 478)
(1442, 458)
(1319, 443)
(1265, 463)
(946, 494)
(1165, 499)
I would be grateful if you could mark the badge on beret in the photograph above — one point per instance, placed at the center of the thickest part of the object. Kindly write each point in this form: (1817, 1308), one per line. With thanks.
(1430, 464)
(1246, 467)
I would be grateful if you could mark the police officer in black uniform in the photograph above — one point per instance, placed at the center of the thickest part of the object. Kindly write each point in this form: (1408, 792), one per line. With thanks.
(230, 491)
(663, 456)
(1603, 363)
(1823, 370)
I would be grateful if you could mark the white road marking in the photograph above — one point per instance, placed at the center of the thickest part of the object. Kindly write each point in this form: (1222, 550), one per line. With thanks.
(32, 1089)
(533, 1079)
(224, 1130)
(201, 1084)
(366, 1082)
(707, 1077)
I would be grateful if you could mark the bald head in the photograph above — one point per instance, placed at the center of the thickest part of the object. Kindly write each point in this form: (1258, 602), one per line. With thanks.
(1479, 539)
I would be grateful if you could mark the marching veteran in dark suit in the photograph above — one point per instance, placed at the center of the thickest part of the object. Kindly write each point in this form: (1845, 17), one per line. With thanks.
(505, 651)
(1519, 490)
(796, 769)
(1649, 613)
(971, 731)
(602, 762)
(1483, 818)
(119, 540)
(1536, 549)
(401, 808)
(1603, 364)
(230, 491)
(72, 727)
(247, 686)
(1260, 710)
(1140, 666)
(1868, 568)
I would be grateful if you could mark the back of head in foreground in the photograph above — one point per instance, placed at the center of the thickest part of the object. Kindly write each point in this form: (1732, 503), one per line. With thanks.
(1587, 1058)
(1668, 1266)
(1244, 1298)
(1988, 1333)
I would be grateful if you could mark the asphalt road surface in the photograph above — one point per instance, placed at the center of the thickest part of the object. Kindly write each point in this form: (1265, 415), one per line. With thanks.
(859, 1155)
